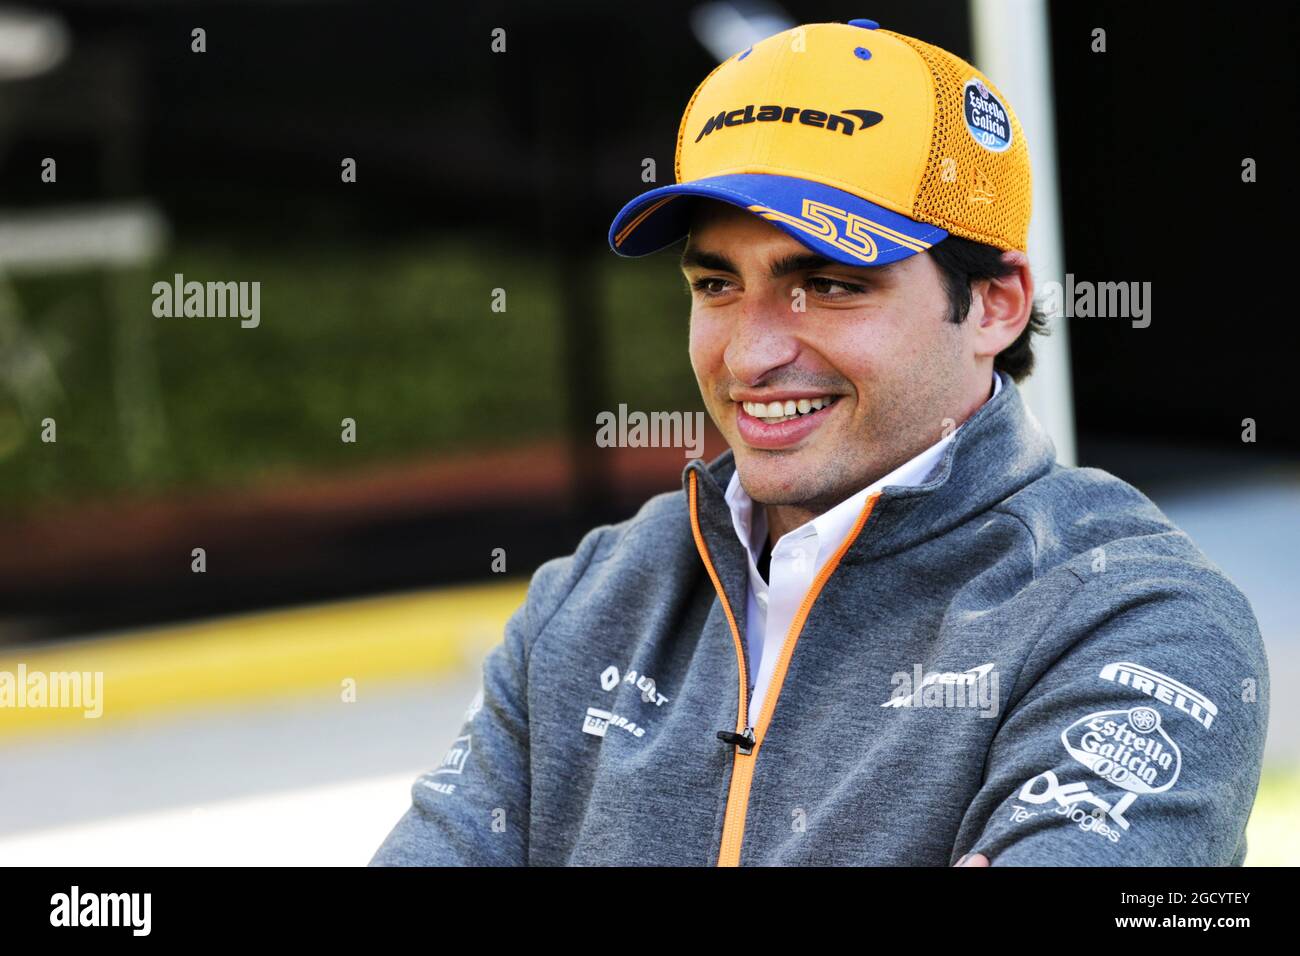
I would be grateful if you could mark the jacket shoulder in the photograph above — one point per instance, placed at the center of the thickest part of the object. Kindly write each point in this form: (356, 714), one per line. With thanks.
(660, 527)
(1105, 532)
(1072, 512)
(662, 522)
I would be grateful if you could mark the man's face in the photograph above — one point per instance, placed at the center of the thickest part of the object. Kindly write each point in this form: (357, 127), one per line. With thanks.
(874, 348)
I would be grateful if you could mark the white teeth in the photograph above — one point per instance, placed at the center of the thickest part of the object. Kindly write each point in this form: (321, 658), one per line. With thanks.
(773, 412)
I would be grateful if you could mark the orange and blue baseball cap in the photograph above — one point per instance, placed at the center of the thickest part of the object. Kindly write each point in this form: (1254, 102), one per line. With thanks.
(866, 145)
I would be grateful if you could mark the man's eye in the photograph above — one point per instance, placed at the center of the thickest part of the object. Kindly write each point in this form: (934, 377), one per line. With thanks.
(705, 285)
(819, 283)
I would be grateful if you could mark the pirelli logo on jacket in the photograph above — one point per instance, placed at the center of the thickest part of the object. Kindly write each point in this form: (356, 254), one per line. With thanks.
(843, 121)
(1164, 689)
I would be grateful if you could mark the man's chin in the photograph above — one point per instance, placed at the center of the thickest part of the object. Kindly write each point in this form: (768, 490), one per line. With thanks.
(781, 476)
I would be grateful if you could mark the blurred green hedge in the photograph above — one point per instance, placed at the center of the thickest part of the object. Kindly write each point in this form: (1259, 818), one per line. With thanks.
(402, 338)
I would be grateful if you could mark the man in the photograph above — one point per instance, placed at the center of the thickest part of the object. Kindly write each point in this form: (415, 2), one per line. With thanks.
(885, 627)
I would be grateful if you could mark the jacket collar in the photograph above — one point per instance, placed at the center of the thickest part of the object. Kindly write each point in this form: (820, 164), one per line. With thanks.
(997, 451)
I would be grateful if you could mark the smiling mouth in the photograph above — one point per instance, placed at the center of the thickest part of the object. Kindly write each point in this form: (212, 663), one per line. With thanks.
(772, 413)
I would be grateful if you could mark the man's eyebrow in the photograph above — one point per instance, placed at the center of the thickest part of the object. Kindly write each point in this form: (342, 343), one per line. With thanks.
(794, 262)
(799, 262)
(704, 259)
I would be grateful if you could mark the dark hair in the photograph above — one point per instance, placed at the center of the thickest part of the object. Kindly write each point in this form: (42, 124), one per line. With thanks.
(963, 261)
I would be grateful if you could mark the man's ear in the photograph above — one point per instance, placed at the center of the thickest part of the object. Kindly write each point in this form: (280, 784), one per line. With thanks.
(1001, 307)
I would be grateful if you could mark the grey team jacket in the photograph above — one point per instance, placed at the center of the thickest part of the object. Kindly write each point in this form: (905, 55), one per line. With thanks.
(1015, 658)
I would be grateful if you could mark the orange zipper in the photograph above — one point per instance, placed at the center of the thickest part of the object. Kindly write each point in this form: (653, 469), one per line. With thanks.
(742, 775)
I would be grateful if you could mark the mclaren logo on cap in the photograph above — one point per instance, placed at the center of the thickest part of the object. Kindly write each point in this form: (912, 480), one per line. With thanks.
(843, 120)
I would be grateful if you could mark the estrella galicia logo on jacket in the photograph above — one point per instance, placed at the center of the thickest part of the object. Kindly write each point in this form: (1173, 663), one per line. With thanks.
(987, 120)
(1127, 748)
(771, 113)
(1164, 689)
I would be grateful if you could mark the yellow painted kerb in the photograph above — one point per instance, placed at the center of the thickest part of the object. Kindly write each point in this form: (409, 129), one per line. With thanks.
(303, 650)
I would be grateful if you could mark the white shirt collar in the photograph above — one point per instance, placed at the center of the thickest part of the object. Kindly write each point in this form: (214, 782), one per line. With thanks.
(833, 526)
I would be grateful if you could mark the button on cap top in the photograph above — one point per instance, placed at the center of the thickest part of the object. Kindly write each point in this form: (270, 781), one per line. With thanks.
(865, 24)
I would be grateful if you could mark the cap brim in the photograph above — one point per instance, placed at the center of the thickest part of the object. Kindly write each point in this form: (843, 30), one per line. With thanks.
(839, 225)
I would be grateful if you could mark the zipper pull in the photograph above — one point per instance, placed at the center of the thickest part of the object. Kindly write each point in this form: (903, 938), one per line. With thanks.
(744, 741)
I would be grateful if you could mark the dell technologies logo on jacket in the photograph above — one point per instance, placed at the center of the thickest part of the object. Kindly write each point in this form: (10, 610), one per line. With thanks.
(786, 114)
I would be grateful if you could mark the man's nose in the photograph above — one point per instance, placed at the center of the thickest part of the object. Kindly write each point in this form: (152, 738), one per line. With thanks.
(762, 338)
